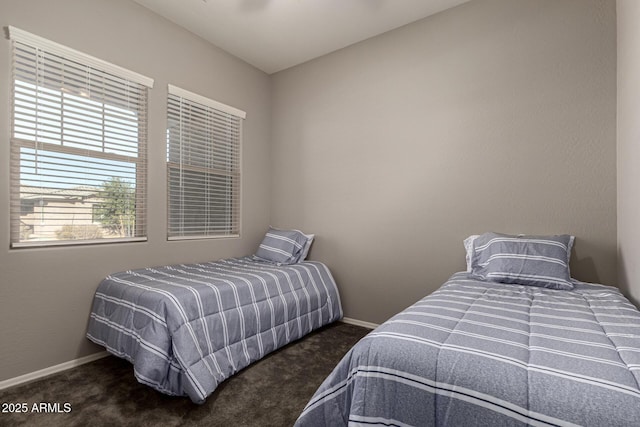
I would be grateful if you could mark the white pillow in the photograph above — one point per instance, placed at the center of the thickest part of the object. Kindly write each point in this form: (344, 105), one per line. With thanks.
(307, 246)
(468, 247)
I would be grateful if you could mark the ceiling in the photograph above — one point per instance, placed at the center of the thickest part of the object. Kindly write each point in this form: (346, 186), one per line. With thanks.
(273, 35)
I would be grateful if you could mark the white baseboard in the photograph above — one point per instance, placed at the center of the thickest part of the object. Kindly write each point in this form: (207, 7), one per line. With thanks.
(51, 370)
(359, 323)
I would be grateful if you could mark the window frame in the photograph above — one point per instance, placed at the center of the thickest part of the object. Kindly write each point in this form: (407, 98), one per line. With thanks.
(23, 41)
(179, 95)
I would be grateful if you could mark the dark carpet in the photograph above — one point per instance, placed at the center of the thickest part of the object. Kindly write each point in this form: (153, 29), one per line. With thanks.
(271, 392)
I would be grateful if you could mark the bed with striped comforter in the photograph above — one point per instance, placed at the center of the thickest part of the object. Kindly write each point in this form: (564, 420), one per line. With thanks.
(491, 354)
(186, 328)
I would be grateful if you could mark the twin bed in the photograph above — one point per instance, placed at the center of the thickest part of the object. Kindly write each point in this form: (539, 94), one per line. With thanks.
(513, 340)
(492, 354)
(186, 328)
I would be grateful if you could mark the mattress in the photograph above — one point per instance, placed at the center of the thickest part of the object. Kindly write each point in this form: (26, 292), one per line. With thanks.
(186, 328)
(483, 353)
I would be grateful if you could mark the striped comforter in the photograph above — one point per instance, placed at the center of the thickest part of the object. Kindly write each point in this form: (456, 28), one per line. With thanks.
(490, 354)
(186, 328)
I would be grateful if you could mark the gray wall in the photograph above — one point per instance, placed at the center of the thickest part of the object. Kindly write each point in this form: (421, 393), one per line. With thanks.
(629, 147)
(496, 115)
(45, 294)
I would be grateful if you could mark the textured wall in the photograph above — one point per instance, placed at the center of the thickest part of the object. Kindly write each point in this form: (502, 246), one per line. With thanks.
(45, 294)
(629, 147)
(495, 115)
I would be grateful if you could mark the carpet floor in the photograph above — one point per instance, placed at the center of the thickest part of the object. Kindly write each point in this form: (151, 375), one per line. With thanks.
(271, 392)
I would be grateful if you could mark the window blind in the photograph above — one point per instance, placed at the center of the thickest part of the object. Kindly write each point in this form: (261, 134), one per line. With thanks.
(203, 166)
(78, 146)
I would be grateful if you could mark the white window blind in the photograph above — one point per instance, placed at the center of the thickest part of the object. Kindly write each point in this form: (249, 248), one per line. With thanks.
(203, 166)
(78, 146)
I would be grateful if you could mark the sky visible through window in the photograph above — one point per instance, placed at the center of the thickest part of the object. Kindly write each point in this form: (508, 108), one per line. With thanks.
(75, 121)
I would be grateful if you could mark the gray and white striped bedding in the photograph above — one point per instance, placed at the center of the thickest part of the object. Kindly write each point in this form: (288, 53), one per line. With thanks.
(492, 354)
(186, 328)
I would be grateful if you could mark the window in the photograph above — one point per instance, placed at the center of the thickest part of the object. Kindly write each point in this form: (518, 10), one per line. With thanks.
(203, 166)
(78, 146)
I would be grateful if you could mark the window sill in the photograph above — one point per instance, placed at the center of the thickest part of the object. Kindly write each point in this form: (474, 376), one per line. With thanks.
(56, 243)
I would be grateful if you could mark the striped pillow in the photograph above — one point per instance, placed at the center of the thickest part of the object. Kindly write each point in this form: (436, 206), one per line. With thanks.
(282, 246)
(526, 260)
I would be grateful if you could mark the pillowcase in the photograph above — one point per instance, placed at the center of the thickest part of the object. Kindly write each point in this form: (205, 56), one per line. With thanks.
(468, 248)
(282, 246)
(525, 260)
(307, 246)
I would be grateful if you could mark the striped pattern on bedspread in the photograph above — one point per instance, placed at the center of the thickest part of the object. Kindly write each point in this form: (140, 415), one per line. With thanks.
(483, 353)
(186, 328)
